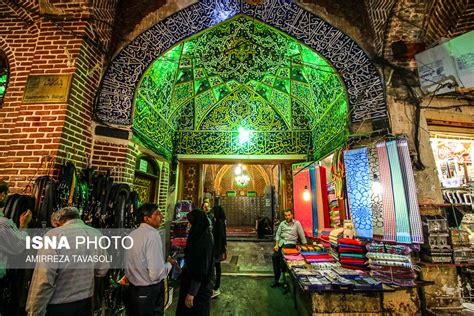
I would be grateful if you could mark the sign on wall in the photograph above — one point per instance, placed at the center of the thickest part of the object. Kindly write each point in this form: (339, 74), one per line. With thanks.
(47, 88)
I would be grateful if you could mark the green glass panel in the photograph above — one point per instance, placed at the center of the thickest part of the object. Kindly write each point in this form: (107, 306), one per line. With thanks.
(215, 80)
(201, 85)
(233, 84)
(268, 80)
(284, 72)
(282, 85)
(265, 91)
(220, 92)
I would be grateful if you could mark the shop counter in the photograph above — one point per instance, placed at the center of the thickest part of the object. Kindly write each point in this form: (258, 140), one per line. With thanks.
(347, 300)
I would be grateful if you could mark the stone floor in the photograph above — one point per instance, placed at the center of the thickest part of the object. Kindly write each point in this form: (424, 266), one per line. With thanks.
(246, 291)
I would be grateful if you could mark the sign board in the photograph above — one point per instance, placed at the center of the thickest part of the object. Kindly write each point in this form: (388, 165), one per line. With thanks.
(47, 89)
(449, 65)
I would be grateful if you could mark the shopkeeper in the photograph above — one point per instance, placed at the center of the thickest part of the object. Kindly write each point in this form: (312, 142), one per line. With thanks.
(286, 237)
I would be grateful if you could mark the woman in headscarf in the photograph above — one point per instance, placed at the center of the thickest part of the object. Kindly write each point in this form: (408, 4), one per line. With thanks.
(220, 244)
(197, 279)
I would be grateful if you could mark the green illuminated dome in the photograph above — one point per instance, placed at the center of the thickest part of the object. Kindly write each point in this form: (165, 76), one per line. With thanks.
(239, 73)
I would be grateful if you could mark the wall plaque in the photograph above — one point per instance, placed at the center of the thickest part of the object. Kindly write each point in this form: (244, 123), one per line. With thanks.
(47, 88)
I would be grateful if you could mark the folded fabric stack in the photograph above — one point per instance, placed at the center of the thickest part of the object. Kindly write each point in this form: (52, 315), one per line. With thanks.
(325, 265)
(393, 266)
(312, 279)
(315, 254)
(324, 238)
(352, 254)
(334, 237)
(290, 251)
(178, 242)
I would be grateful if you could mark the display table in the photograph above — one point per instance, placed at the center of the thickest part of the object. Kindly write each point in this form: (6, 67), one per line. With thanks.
(353, 301)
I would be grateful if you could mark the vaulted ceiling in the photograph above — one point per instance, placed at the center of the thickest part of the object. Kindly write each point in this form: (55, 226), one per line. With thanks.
(240, 73)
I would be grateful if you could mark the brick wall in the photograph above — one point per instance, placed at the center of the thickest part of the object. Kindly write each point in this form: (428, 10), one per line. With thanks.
(39, 44)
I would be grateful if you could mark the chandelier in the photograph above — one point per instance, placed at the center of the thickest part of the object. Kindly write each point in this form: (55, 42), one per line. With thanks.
(241, 177)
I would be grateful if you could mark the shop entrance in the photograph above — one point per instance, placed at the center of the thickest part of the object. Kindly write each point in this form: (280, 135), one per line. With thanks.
(247, 192)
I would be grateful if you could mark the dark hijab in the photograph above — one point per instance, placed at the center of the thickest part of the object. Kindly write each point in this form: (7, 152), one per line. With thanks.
(199, 252)
(219, 231)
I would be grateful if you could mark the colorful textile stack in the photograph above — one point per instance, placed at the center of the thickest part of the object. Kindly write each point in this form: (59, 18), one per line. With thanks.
(391, 264)
(352, 254)
(324, 238)
(334, 237)
(315, 254)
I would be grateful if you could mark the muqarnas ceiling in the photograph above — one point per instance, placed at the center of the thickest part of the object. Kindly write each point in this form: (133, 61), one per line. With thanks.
(241, 72)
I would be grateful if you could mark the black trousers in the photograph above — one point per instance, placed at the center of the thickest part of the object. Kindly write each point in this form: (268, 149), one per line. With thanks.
(218, 275)
(279, 265)
(145, 300)
(78, 308)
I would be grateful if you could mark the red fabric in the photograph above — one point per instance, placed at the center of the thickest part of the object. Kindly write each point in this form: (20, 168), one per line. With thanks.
(324, 194)
(303, 209)
(346, 249)
(352, 260)
(349, 241)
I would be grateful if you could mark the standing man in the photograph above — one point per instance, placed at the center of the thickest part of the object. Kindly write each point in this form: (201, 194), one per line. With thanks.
(286, 237)
(145, 267)
(66, 288)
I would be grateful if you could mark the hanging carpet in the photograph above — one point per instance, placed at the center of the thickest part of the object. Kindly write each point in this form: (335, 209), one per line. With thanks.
(389, 225)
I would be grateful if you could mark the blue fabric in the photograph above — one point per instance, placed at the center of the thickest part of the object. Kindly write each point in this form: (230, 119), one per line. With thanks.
(356, 162)
(314, 204)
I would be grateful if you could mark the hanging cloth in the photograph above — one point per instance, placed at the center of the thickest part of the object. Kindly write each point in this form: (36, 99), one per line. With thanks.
(314, 202)
(389, 225)
(401, 210)
(410, 191)
(358, 190)
(376, 197)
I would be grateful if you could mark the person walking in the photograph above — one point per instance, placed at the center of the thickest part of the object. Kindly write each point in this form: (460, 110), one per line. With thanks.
(286, 236)
(66, 287)
(220, 244)
(145, 267)
(197, 278)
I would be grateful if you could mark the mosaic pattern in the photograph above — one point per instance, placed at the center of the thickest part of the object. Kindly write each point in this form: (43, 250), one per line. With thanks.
(364, 86)
(377, 206)
(358, 190)
(243, 108)
(378, 15)
(226, 143)
(191, 182)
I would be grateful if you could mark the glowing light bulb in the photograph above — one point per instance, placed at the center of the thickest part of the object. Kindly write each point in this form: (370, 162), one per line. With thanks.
(306, 194)
(238, 170)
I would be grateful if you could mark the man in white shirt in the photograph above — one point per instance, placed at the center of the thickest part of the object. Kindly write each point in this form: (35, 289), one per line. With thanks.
(286, 237)
(145, 267)
(66, 287)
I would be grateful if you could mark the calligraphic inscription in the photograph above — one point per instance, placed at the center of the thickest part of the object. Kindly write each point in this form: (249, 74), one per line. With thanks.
(47, 89)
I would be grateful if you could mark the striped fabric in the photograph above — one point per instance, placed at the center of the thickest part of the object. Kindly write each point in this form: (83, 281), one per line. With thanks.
(324, 196)
(401, 210)
(410, 190)
(358, 190)
(389, 225)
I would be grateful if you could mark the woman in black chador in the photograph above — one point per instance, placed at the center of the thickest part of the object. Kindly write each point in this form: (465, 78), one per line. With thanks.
(197, 279)
(220, 244)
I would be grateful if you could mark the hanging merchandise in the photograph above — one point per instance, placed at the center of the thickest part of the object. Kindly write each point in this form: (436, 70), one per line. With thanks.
(322, 199)
(410, 189)
(303, 210)
(399, 197)
(358, 190)
(376, 195)
(389, 228)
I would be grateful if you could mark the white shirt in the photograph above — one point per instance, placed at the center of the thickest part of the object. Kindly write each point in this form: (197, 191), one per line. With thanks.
(12, 242)
(144, 262)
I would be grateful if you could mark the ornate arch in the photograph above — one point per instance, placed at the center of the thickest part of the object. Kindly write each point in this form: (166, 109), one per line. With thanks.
(364, 84)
